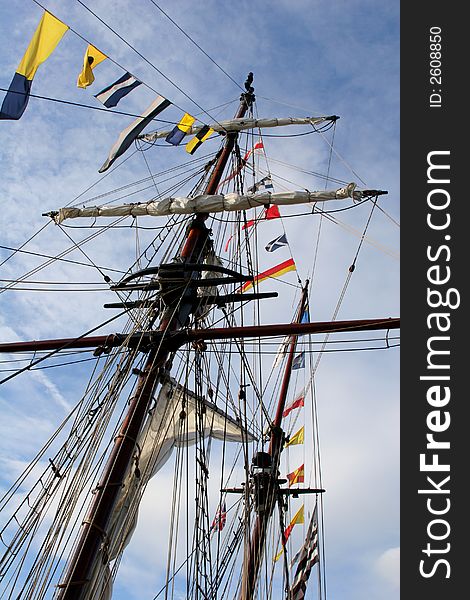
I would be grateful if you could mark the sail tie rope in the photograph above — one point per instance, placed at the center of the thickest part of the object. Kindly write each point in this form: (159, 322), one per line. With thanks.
(124, 435)
(93, 524)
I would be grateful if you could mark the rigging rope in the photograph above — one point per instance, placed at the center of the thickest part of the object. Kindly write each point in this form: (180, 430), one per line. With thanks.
(197, 45)
(146, 60)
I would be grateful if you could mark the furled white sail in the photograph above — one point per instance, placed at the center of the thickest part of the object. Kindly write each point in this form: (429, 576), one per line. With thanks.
(172, 423)
(241, 124)
(205, 203)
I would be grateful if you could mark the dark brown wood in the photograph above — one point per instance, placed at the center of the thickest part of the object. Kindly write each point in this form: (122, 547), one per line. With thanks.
(111, 340)
(93, 529)
(180, 338)
(283, 329)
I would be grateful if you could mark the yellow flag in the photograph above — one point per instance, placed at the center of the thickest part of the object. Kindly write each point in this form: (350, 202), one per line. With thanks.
(48, 34)
(297, 438)
(278, 555)
(197, 140)
(186, 123)
(297, 519)
(92, 58)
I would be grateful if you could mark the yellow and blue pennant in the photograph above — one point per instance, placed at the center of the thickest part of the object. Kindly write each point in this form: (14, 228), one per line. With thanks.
(177, 134)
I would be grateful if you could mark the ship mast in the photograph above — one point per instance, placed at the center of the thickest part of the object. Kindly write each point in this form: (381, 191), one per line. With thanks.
(173, 332)
(94, 526)
(265, 480)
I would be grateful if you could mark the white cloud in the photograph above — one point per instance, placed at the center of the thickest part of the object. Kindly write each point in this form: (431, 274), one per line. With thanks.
(388, 566)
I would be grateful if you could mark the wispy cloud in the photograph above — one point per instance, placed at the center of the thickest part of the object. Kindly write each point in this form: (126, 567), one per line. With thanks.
(388, 565)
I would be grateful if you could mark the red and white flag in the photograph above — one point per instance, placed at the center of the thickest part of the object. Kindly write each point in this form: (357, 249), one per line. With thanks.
(220, 517)
(256, 149)
(296, 403)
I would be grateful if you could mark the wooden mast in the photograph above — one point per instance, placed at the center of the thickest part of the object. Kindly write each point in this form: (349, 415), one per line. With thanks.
(267, 489)
(169, 336)
(179, 338)
(93, 530)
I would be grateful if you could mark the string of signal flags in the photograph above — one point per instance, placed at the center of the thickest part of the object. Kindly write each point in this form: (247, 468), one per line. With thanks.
(47, 36)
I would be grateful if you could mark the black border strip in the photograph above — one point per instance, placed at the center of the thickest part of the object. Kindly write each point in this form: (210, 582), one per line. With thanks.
(434, 236)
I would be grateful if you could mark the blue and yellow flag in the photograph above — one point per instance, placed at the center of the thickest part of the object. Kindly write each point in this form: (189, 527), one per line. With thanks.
(177, 133)
(92, 58)
(46, 37)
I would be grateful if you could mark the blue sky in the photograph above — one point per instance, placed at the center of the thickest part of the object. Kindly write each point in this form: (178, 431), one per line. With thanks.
(308, 58)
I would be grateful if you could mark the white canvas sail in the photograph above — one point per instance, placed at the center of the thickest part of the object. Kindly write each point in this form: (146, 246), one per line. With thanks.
(206, 203)
(242, 124)
(171, 424)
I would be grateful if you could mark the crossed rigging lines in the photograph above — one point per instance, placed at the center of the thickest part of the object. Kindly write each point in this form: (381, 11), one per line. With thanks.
(151, 176)
(143, 57)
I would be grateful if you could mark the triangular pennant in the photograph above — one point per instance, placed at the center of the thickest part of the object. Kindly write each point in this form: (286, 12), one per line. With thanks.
(277, 271)
(296, 403)
(297, 519)
(297, 438)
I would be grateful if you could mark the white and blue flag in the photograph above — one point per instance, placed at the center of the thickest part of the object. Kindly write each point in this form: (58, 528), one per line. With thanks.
(111, 95)
(263, 184)
(299, 361)
(279, 242)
